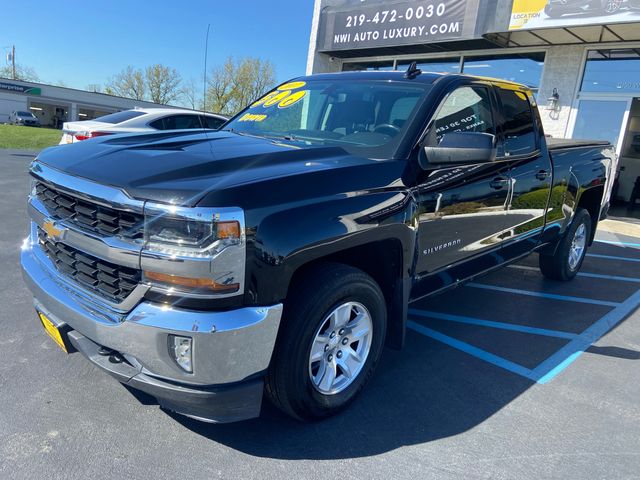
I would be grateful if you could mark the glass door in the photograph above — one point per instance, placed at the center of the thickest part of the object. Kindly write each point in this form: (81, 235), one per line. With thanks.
(601, 119)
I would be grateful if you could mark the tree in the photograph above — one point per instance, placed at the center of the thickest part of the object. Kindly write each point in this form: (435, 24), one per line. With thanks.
(23, 72)
(220, 88)
(191, 94)
(163, 83)
(129, 83)
(235, 84)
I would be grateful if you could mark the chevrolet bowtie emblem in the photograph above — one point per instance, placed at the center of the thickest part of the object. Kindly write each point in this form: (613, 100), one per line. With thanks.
(53, 232)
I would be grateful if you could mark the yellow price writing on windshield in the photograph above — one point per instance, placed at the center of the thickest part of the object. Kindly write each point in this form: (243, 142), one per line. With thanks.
(282, 96)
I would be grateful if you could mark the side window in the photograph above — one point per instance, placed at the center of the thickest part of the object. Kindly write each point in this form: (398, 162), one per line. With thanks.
(176, 122)
(466, 109)
(158, 124)
(517, 126)
(211, 122)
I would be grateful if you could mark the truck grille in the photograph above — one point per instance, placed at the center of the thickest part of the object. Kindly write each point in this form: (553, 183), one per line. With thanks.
(114, 282)
(96, 218)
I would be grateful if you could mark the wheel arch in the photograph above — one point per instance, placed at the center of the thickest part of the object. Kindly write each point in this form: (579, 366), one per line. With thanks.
(591, 200)
(385, 261)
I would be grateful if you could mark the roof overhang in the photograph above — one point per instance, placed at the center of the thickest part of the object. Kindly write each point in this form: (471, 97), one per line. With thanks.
(567, 35)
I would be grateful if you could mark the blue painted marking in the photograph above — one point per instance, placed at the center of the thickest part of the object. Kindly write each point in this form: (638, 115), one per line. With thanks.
(552, 296)
(613, 257)
(624, 244)
(471, 350)
(560, 360)
(492, 324)
(609, 277)
(583, 274)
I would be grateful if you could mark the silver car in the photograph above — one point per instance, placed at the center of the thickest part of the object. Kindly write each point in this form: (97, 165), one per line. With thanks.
(140, 120)
(20, 117)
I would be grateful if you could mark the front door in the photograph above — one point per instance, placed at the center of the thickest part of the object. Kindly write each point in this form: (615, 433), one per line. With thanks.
(530, 172)
(462, 208)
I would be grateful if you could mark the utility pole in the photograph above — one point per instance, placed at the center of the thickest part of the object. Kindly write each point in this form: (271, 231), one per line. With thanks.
(13, 61)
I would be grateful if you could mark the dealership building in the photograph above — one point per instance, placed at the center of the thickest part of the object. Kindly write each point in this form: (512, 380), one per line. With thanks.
(582, 59)
(54, 105)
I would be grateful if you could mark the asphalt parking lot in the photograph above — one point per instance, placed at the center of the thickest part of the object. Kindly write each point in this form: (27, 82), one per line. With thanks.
(513, 376)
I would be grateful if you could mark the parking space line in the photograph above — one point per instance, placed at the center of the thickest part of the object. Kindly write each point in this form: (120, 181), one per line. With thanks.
(560, 360)
(613, 257)
(552, 296)
(489, 323)
(584, 274)
(625, 244)
(471, 350)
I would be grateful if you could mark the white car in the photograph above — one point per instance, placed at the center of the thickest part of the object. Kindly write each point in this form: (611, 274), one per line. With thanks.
(139, 120)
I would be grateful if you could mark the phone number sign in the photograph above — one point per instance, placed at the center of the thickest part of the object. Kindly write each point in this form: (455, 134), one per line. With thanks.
(380, 25)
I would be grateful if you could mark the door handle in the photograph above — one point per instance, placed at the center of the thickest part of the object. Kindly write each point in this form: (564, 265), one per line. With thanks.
(542, 175)
(498, 183)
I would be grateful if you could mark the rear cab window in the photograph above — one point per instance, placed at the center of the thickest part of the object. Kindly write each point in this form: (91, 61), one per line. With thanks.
(119, 117)
(518, 130)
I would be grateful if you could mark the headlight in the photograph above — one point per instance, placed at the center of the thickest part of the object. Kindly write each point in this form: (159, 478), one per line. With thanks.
(190, 237)
(196, 251)
(182, 234)
(32, 186)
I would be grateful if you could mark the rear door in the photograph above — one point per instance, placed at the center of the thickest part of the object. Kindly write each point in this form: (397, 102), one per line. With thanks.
(530, 170)
(462, 208)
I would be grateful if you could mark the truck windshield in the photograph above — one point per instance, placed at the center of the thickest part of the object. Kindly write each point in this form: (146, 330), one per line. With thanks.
(367, 118)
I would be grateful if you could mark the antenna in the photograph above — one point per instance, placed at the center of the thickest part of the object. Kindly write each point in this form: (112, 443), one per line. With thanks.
(204, 83)
(413, 71)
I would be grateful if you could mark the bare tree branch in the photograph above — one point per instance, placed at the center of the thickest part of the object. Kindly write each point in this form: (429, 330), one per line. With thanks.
(164, 83)
(235, 84)
(23, 72)
(129, 83)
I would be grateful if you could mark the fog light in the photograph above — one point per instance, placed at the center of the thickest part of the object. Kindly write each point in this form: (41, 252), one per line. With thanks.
(180, 348)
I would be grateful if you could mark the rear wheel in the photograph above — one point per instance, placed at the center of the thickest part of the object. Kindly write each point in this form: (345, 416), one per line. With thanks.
(330, 341)
(565, 263)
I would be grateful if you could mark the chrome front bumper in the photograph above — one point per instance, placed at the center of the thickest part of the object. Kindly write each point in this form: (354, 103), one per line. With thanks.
(228, 347)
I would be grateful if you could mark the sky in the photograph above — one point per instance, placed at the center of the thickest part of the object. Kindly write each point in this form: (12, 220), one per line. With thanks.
(84, 43)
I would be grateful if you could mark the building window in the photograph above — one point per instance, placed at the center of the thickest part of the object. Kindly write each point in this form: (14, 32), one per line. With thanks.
(524, 68)
(384, 65)
(612, 71)
(441, 65)
(600, 120)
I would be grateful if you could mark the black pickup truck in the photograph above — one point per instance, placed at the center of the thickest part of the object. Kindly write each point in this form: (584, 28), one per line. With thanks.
(280, 253)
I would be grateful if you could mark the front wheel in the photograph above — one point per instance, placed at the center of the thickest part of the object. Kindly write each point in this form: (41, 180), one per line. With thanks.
(565, 263)
(331, 338)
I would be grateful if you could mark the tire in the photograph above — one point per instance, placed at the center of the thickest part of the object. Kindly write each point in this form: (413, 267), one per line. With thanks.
(568, 257)
(294, 383)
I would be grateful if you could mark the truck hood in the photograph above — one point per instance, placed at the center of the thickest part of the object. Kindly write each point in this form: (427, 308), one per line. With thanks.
(183, 168)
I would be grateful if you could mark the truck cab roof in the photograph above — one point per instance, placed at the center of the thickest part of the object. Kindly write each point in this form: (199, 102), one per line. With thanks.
(399, 75)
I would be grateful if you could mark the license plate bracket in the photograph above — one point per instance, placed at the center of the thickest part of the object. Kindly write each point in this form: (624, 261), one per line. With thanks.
(58, 333)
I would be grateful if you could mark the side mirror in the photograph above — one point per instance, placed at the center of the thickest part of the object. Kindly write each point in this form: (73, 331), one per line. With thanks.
(461, 147)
